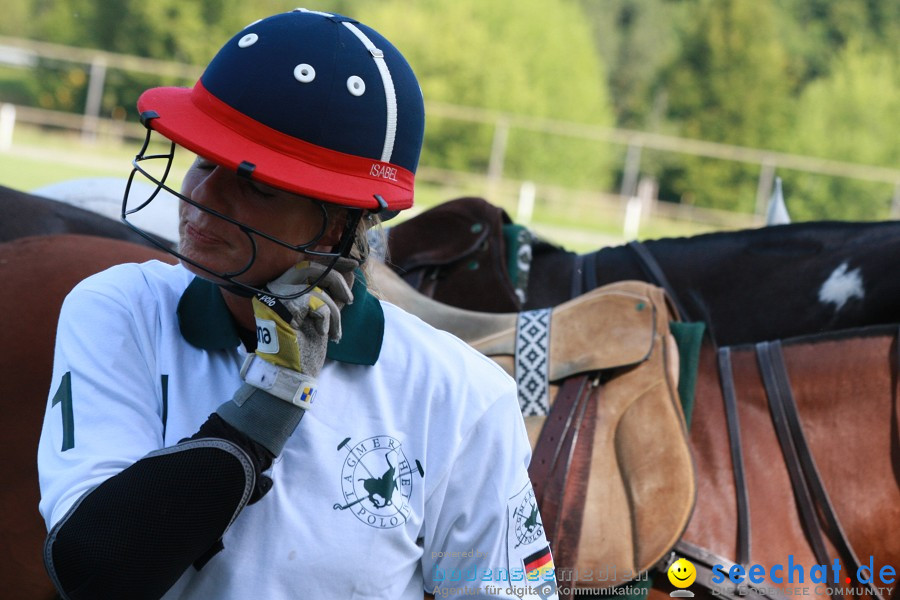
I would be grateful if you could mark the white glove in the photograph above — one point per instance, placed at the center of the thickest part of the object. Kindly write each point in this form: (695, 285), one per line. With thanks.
(292, 334)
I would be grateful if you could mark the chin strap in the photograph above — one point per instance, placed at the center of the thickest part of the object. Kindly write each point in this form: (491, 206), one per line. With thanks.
(343, 265)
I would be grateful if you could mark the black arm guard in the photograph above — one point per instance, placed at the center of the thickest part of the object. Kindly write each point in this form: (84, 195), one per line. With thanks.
(136, 533)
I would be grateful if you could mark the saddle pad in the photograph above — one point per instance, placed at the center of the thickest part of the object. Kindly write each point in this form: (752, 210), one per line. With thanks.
(640, 491)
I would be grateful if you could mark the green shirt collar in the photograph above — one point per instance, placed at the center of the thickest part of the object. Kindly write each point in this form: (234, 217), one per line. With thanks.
(205, 322)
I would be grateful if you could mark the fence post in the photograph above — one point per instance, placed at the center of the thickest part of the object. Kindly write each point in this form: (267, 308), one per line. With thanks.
(94, 99)
(527, 193)
(498, 157)
(631, 171)
(7, 124)
(764, 187)
(895, 202)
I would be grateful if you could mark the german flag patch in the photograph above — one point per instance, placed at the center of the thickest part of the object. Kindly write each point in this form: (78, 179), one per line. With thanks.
(538, 564)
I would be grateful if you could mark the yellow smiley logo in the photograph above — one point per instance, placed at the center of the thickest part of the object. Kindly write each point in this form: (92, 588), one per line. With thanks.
(682, 573)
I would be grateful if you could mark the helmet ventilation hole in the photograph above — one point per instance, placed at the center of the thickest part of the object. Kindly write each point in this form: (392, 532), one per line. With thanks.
(304, 73)
(248, 40)
(356, 85)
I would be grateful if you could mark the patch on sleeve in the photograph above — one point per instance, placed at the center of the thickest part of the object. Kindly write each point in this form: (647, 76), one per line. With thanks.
(526, 531)
(531, 562)
(538, 564)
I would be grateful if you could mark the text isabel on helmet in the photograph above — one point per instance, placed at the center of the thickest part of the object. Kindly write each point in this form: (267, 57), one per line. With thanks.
(383, 171)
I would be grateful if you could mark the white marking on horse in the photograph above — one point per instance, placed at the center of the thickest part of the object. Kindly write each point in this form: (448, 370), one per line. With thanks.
(840, 286)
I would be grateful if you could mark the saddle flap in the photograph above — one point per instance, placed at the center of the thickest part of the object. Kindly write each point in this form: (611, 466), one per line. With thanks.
(611, 329)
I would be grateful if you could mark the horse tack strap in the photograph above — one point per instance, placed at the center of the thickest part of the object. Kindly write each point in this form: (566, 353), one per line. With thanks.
(772, 369)
(584, 274)
(561, 464)
(576, 284)
(651, 266)
(805, 478)
(704, 561)
(567, 532)
(551, 442)
(726, 378)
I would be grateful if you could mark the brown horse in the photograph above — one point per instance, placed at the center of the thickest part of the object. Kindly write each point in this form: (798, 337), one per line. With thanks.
(37, 273)
(845, 386)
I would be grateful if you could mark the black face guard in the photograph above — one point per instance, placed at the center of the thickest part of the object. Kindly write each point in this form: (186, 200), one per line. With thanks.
(342, 249)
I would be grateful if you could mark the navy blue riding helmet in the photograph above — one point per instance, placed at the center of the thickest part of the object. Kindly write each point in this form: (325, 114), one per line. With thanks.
(313, 103)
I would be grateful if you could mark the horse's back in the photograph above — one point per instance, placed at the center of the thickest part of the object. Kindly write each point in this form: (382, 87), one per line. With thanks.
(37, 273)
(23, 215)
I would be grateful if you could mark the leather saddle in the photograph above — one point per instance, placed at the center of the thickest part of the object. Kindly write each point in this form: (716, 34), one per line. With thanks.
(612, 467)
(462, 245)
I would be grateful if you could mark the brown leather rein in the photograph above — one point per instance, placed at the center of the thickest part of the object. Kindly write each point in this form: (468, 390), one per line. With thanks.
(563, 455)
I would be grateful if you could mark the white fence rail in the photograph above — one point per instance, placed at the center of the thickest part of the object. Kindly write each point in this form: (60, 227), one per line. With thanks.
(26, 54)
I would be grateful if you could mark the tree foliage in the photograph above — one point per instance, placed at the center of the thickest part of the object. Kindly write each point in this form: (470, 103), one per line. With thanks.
(637, 40)
(535, 59)
(849, 116)
(814, 77)
(729, 85)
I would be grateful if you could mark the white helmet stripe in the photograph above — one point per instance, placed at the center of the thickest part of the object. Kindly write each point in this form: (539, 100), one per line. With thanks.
(389, 95)
(313, 12)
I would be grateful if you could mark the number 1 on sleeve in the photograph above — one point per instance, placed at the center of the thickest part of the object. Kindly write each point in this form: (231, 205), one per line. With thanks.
(64, 396)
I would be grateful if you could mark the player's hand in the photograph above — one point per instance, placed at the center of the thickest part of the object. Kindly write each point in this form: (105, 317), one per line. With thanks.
(293, 334)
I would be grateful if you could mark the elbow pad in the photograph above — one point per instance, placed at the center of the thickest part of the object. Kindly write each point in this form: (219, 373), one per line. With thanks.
(136, 533)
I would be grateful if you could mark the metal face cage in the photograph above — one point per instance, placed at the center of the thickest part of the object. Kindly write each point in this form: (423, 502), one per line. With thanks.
(130, 206)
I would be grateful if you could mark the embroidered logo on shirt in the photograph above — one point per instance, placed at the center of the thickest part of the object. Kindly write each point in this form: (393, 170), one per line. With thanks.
(377, 480)
(526, 519)
(527, 544)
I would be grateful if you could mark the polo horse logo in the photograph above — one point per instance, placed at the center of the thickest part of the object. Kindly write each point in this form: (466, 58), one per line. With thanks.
(383, 486)
(528, 520)
(377, 480)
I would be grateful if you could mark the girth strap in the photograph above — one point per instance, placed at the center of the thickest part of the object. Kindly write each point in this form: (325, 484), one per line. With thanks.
(805, 479)
(561, 464)
(532, 366)
(726, 379)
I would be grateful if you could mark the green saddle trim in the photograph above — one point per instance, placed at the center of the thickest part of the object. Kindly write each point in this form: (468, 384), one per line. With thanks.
(514, 236)
(688, 337)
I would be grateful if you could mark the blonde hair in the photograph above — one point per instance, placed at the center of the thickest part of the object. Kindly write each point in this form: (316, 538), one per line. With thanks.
(369, 236)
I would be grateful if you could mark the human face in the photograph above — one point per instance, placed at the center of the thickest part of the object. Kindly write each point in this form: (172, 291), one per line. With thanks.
(223, 247)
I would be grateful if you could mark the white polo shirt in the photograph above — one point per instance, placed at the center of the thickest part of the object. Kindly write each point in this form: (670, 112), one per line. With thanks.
(409, 472)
